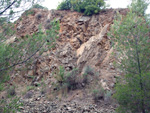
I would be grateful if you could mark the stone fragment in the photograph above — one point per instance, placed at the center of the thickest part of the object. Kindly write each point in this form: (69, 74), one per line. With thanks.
(83, 19)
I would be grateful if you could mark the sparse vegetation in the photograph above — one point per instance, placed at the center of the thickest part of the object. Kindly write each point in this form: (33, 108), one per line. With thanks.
(131, 37)
(98, 94)
(28, 88)
(43, 87)
(38, 6)
(108, 97)
(67, 80)
(89, 74)
(60, 75)
(11, 92)
(29, 12)
(11, 107)
(3, 79)
(1, 86)
(89, 70)
(72, 79)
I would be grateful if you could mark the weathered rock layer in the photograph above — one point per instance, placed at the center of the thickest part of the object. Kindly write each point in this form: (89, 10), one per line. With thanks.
(83, 39)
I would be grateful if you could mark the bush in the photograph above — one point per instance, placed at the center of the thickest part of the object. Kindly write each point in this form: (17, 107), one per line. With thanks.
(11, 91)
(87, 7)
(37, 6)
(91, 9)
(89, 74)
(89, 70)
(98, 94)
(67, 80)
(72, 80)
(60, 75)
(129, 95)
(65, 5)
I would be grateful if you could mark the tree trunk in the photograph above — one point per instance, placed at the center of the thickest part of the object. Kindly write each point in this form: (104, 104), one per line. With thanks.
(140, 75)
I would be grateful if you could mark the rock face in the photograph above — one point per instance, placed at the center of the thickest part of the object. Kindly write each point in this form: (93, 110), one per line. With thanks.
(94, 50)
(82, 42)
(83, 39)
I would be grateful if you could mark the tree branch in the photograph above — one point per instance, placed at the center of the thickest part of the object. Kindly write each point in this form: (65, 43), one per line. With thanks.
(24, 60)
(8, 7)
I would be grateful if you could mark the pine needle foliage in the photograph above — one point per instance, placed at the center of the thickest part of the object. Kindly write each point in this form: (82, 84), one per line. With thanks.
(131, 37)
(24, 50)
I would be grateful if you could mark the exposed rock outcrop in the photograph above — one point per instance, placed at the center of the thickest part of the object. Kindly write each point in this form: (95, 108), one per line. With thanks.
(82, 42)
(83, 39)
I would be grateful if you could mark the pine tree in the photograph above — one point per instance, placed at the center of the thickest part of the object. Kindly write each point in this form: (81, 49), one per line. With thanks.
(25, 49)
(131, 37)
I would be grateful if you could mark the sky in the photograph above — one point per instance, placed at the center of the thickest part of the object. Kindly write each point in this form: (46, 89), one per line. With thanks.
(52, 4)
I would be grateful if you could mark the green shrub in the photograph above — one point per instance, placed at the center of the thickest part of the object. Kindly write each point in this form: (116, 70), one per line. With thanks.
(88, 7)
(11, 92)
(60, 75)
(89, 70)
(72, 80)
(64, 5)
(108, 97)
(28, 88)
(89, 75)
(37, 6)
(98, 94)
(29, 12)
(1, 86)
(91, 9)
(130, 96)
(67, 80)
(131, 41)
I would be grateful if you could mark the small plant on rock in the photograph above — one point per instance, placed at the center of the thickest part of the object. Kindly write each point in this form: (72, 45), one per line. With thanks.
(98, 94)
(12, 107)
(60, 75)
(89, 74)
(108, 97)
(89, 70)
(67, 80)
(72, 80)
(11, 91)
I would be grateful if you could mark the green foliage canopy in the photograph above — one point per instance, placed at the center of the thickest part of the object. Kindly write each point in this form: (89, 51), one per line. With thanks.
(25, 49)
(22, 50)
(87, 7)
(131, 37)
(37, 6)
